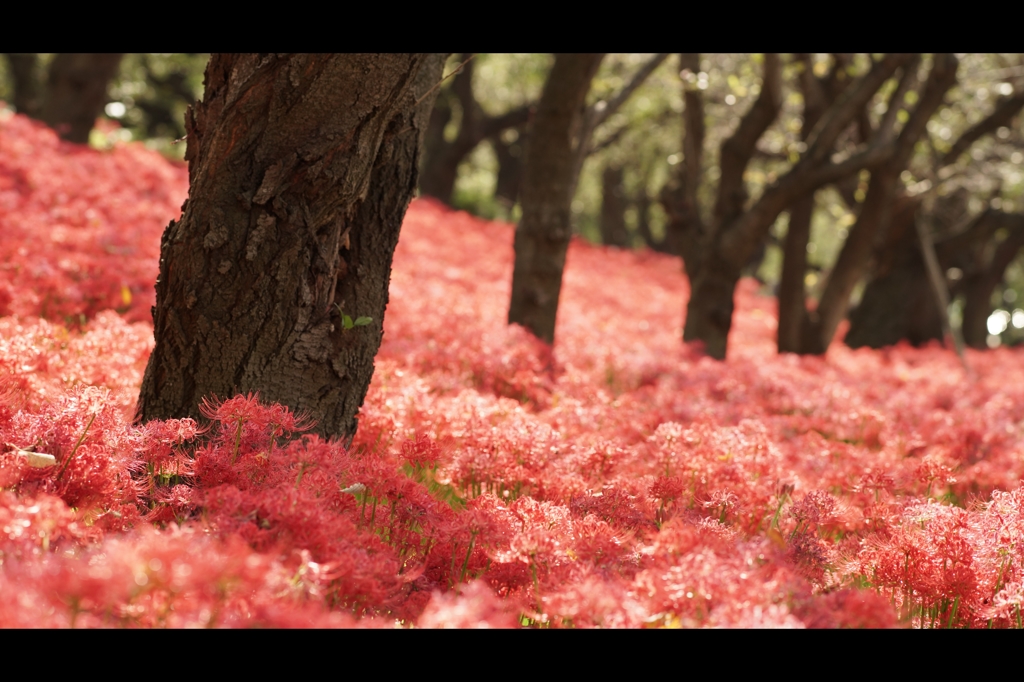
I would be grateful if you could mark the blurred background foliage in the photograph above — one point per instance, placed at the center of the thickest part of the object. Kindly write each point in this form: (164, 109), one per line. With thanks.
(638, 146)
(147, 98)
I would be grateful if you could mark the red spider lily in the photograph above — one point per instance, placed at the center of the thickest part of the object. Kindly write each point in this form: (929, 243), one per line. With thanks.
(617, 479)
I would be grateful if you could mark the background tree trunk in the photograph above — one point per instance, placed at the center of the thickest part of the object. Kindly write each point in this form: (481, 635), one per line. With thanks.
(818, 327)
(713, 268)
(613, 208)
(300, 169)
(442, 158)
(898, 302)
(893, 307)
(77, 93)
(542, 236)
(510, 167)
(818, 94)
(27, 81)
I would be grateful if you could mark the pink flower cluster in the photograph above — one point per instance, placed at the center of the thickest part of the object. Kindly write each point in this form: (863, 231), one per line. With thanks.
(619, 479)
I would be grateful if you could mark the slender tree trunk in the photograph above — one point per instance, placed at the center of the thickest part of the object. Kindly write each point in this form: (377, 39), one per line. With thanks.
(852, 261)
(613, 208)
(300, 168)
(77, 92)
(27, 81)
(440, 173)
(818, 94)
(542, 236)
(510, 168)
(643, 202)
(685, 228)
(792, 293)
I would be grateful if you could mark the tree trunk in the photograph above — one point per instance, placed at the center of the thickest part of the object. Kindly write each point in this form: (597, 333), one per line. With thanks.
(992, 257)
(898, 302)
(510, 168)
(300, 169)
(792, 293)
(542, 236)
(77, 93)
(643, 201)
(27, 81)
(899, 305)
(818, 94)
(820, 326)
(442, 158)
(613, 208)
(713, 266)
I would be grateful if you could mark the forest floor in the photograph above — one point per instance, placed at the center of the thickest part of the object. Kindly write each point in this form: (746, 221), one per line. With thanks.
(620, 479)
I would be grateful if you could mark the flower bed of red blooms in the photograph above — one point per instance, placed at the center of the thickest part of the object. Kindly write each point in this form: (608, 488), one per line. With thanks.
(621, 480)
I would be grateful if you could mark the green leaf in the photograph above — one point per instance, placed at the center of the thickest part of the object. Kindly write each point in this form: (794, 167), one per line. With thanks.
(362, 321)
(346, 321)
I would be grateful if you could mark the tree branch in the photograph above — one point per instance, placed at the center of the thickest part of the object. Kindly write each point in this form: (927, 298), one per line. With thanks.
(1002, 115)
(846, 107)
(612, 105)
(877, 207)
(908, 80)
(738, 149)
(598, 113)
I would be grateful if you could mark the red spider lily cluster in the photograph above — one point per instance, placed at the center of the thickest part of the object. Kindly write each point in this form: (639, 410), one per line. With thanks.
(620, 479)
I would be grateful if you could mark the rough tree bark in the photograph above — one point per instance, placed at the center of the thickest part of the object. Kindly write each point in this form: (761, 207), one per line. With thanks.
(77, 92)
(300, 167)
(542, 236)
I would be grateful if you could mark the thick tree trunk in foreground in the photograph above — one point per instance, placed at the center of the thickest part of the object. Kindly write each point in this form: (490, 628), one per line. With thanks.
(77, 93)
(300, 169)
(542, 236)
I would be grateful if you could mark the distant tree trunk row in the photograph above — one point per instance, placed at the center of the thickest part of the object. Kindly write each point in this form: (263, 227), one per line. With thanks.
(812, 331)
(716, 250)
